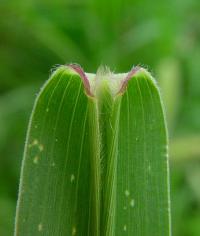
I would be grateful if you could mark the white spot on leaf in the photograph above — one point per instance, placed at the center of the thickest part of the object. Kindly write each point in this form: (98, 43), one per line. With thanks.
(53, 164)
(127, 193)
(132, 203)
(41, 147)
(73, 231)
(125, 228)
(40, 227)
(35, 160)
(72, 178)
(35, 142)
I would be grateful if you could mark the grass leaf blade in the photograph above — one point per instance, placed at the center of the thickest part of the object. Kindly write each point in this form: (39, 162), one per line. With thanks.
(142, 174)
(55, 181)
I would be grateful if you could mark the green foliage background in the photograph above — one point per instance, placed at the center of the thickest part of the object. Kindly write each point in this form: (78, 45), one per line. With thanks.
(165, 35)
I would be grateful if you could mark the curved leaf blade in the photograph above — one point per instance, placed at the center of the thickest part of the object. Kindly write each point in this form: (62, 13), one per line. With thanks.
(142, 196)
(55, 180)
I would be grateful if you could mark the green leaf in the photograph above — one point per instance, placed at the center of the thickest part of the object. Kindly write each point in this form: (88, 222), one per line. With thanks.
(95, 160)
(54, 196)
(142, 203)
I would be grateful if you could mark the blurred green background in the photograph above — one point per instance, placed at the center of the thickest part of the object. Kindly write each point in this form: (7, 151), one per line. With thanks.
(163, 36)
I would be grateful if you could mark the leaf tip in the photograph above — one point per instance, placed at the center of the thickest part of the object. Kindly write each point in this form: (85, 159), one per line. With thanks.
(77, 69)
(129, 76)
